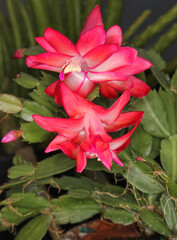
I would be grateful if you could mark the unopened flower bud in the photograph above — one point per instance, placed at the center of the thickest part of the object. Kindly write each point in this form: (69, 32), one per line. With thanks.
(19, 53)
(12, 136)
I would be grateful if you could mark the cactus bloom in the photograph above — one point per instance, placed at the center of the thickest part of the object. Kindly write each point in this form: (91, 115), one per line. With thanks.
(84, 134)
(97, 58)
(11, 136)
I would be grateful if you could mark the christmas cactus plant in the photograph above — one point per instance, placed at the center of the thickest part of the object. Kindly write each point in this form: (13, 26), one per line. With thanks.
(94, 110)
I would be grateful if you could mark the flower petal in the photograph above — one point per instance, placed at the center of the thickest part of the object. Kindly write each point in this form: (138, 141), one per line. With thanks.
(114, 35)
(54, 144)
(50, 90)
(138, 66)
(81, 161)
(44, 44)
(99, 54)
(36, 65)
(66, 127)
(94, 19)
(112, 113)
(125, 120)
(138, 89)
(116, 159)
(106, 76)
(91, 39)
(59, 42)
(123, 57)
(51, 59)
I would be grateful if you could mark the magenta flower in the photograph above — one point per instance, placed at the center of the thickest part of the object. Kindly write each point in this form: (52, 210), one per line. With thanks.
(11, 136)
(85, 134)
(97, 58)
(19, 53)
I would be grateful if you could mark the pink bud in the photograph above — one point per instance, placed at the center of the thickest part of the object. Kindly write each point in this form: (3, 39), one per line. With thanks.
(141, 159)
(19, 53)
(11, 136)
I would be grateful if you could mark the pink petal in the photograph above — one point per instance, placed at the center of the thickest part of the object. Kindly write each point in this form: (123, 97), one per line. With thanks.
(51, 59)
(54, 144)
(123, 57)
(112, 113)
(79, 104)
(91, 39)
(106, 158)
(125, 120)
(99, 54)
(50, 90)
(114, 35)
(44, 44)
(107, 90)
(106, 76)
(36, 65)
(59, 42)
(116, 159)
(79, 83)
(94, 19)
(119, 142)
(139, 88)
(67, 127)
(69, 149)
(138, 66)
(81, 161)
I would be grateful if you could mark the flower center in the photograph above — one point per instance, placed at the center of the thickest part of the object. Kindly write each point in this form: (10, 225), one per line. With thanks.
(75, 64)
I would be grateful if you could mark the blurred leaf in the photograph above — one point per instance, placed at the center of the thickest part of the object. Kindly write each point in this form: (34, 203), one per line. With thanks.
(33, 133)
(25, 169)
(168, 209)
(30, 108)
(135, 25)
(118, 215)
(174, 82)
(168, 156)
(155, 221)
(56, 164)
(155, 27)
(158, 65)
(113, 13)
(10, 103)
(166, 39)
(35, 229)
(34, 50)
(168, 99)
(172, 188)
(67, 209)
(155, 118)
(26, 80)
(29, 201)
(140, 175)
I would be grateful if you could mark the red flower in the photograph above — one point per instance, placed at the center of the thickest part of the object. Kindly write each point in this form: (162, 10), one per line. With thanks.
(85, 134)
(97, 58)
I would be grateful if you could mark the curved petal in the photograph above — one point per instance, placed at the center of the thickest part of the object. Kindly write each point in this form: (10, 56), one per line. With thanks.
(94, 19)
(107, 90)
(123, 57)
(79, 83)
(44, 44)
(125, 120)
(138, 89)
(117, 143)
(51, 59)
(106, 158)
(99, 54)
(79, 104)
(114, 36)
(36, 65)
(81, 161)
(112, 113)
(106, 76)
(66, 127)
(69, 149)
(116, 159)
(54, 144)
(138, 66)
(59, 42)
(91, 39)
(50, 90)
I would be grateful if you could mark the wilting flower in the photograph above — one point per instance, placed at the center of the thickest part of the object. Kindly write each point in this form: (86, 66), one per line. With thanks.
(11, 136)
(85, 134)
(19, 53)
(97, 58)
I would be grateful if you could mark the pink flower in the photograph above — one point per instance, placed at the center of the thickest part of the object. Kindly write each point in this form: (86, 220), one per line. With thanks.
(85, 134)
(11, 136)
(97, 58)
(19, 53)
